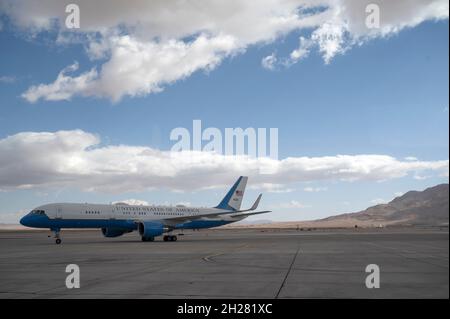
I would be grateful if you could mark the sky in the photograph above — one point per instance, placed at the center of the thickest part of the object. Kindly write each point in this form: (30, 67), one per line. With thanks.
(86, 114)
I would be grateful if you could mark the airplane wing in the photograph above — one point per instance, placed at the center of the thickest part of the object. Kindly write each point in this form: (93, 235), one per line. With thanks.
(171, 221)
(184, 219)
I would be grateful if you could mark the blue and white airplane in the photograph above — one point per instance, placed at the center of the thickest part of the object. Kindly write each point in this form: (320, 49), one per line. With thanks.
(150, 221)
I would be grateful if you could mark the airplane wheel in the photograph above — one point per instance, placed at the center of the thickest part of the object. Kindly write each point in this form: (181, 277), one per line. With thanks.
(58, 241)
(170, 238)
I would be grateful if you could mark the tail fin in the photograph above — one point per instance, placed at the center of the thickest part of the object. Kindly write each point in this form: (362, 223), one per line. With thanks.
(233, 199)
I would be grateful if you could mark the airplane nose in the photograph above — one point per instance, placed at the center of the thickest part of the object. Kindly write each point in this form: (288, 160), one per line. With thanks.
(24, 221)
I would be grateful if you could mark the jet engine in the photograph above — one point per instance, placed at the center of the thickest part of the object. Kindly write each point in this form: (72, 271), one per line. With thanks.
(151, 229)
(114, 232)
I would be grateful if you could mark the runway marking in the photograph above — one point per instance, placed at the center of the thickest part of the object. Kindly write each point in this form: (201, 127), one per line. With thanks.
(288, 272)
(209, 258)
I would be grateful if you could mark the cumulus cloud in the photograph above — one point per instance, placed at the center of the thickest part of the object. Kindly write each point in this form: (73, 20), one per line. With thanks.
(137, 68)
(140, 46)
(344, 25)
(76, 159)
(64, 87)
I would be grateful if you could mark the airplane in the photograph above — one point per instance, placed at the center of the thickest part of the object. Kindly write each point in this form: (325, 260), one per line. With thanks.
(150, 221)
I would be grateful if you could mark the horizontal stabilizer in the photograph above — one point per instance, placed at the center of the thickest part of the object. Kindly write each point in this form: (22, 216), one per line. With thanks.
(252, 213)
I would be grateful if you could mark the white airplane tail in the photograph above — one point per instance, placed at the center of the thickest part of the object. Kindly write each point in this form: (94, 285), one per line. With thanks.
(233, 199)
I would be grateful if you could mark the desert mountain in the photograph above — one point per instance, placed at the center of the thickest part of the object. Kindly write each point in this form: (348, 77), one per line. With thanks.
(428, 207)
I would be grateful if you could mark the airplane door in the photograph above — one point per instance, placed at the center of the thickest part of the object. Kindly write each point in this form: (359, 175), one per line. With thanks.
(112, 216)
(113, 213)
(58, 212)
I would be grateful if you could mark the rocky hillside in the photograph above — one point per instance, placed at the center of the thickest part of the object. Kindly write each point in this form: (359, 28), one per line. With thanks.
(428, 207)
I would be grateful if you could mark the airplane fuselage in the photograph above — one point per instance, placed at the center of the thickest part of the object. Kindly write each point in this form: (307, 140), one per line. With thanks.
(73, 215)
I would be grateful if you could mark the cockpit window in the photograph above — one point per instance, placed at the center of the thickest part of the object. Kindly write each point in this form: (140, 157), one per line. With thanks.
(37, 212)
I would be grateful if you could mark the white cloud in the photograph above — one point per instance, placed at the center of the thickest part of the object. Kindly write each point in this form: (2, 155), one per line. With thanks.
(137, 68)
(410, 158)
(378, 201)
(140, 47)
(64, 86)
(398, 194)
(421, 177)
(315, 189)
(302, 51)
(272, 188)
(344, 24)
(7, 79)
(75, 159)
(289, 205)
(330, 37)
(269, 62)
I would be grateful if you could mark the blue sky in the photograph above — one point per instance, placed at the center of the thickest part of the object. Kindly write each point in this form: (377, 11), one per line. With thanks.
(388, 96)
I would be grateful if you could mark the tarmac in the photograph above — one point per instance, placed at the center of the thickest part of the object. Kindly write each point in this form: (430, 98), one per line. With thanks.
(228, 263)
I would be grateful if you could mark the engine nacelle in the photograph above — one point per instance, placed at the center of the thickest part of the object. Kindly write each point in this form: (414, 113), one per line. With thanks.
(151, 229)
(114, 232)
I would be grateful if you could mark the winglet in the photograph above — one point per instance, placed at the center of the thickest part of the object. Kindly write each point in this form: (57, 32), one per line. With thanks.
(255, 205)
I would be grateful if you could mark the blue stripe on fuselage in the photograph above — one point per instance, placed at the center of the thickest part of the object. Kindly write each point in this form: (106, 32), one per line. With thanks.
(42, 221)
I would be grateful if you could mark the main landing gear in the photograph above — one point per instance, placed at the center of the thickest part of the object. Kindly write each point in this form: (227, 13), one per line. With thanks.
(56, 236)
(170, 238)
(165, 238)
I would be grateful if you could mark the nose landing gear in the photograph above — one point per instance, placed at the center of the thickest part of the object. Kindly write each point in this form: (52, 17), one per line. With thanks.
(56, 236)
(170, 238)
